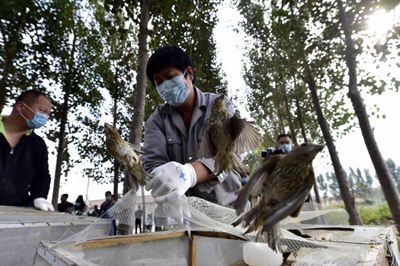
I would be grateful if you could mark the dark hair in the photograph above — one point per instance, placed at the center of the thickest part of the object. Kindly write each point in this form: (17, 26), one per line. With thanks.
(64, 195)
(284, 135)
(168, 56)
(80, 200)
(30, 96)
(108, 192)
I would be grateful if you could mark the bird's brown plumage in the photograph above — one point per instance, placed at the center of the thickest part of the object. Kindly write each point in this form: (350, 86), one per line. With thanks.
(226, 135)
(283, 182)
(124, 153)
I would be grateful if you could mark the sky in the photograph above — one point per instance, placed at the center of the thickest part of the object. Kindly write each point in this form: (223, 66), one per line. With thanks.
(351, 148)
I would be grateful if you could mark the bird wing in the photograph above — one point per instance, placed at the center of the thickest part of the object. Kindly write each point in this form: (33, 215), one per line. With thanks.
(136, 148)
(290, 206)
(206, 147)
(248, 137)
(308, 184)
(256, 182)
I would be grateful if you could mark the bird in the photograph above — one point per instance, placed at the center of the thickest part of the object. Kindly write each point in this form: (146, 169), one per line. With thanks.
(125, 153)
(225, 136)
(283, 183)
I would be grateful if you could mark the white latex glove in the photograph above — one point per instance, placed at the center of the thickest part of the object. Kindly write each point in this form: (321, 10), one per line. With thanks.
(170, 181)
(43, 204)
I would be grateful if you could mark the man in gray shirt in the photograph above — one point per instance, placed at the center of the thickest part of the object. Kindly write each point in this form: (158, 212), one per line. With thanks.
(173, 132)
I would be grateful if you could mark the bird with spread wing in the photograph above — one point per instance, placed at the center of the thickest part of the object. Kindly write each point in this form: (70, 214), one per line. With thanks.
(225, 136)
(283, 183)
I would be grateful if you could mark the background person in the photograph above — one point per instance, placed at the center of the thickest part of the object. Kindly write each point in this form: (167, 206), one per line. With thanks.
(95, 212)
(106, 214)
(138, 219)
(24, 168)
(149, 222)
(80, 207)
(65, 205)
(285, 143)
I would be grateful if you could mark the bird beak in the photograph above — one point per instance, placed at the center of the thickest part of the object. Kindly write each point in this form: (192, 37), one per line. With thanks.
(318, 148)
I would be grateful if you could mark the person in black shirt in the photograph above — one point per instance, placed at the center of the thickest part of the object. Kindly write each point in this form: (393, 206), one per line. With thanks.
(106, 214)
(24, 169)
(138, 220)
(65, 206)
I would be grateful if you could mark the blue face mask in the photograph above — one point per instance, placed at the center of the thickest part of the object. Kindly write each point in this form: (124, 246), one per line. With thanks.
(37, 121)
(286, 148)
(108, 198)
(173, 91)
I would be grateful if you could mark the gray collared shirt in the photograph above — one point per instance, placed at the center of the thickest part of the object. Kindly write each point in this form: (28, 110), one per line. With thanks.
(166, 139)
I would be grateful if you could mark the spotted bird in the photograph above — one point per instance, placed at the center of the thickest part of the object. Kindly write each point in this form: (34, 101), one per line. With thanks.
(283, 183)
(226, 135)
(124, 153)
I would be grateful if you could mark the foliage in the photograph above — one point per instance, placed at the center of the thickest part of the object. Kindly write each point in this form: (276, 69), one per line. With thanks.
(253, 161)
(333, 185)
(375, 215)
(361, 184)
(20, 29)
(395, 171)
(116, 70)
(322, 185)
(278, 95)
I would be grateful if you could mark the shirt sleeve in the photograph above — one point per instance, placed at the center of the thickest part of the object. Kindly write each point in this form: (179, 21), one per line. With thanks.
(154, 146)
(40, 184)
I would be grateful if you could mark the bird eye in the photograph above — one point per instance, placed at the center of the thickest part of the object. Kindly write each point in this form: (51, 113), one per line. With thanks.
(303, 145)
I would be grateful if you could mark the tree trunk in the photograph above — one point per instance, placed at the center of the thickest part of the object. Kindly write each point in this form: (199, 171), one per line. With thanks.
(289, 114)
(116, 179)
(115, 118)
(316, 192)
(348, 200)
(60, 149)
(135, 135)
(64, 118)
(382, 171)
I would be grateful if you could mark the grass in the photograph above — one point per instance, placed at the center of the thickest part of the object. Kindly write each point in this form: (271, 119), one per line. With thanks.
(377, 214)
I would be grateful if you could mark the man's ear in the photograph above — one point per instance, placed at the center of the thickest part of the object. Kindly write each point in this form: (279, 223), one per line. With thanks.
(18, 106)
(190, 73)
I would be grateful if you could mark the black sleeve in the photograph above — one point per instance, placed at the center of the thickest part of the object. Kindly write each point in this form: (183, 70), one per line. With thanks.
(40, 184)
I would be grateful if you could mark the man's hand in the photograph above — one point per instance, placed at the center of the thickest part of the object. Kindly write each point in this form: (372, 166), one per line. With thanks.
(170, 181)
(43, 204)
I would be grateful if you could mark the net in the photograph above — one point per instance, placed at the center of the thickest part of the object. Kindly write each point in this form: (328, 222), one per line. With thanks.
(308, 239)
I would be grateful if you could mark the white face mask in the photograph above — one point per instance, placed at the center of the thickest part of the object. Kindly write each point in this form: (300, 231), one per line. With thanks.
(286, 148)
(174, 91)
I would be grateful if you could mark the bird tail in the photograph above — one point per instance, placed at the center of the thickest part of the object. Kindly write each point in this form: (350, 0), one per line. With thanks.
(249, 219)
(238, 166)
(145, 175)
(140, 175)
(272, 235)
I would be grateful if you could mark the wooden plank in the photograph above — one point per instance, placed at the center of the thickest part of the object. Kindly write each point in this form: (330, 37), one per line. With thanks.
(193, 251)
(123, 240)
(216, 234)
